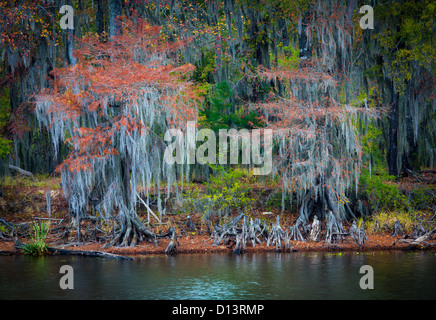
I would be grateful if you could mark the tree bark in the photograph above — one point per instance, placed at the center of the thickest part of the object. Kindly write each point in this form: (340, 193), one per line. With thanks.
(393, 133)
(303, 42)
(350, 9)
(69, 44)
(284, 31)
(259, 37)
(409, 158)
(114, 12)
(125, 174)
(100, 17)
(22, 171)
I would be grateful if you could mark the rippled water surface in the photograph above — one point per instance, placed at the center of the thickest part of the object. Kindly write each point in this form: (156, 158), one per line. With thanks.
(397, 275)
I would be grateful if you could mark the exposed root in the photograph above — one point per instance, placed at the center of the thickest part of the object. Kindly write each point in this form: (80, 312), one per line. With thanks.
(278, 236)
(334, 229)
(132, 231)
(315, 232)
(358, 235)
(299, 231)
(173, 246)
(398, 230)
(226, 232)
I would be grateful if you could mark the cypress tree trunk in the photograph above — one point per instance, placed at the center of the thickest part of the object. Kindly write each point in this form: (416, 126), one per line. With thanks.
(410, 156)
(259, 37)
(132, 230)
(393, 133)
(125, 175)
(99, 17)
(114, 12)
(284, 31)
(303, 41)
(101, 21)
(69, 43)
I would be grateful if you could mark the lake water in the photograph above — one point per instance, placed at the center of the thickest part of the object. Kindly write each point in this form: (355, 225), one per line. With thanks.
(397, 275)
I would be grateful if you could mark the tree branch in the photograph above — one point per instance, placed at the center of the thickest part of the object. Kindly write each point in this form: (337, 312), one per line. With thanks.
(23, 172)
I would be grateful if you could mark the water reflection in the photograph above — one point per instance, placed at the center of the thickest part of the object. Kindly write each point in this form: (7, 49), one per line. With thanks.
(397, 275)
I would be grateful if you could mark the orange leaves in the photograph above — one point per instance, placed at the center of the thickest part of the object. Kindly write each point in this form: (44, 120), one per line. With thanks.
(105, 100)
(127, 123)
(90, 146)
(310, 72)
(93, 106)
(122, 70)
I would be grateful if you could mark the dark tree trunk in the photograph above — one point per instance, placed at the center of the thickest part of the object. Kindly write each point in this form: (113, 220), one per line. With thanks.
(14, 94)
(114, 12)
(304, 44)
(393, 133)
(69, 44)
(284, 31)
(259, 37)
(100, 17)
(52, 159)
(125, 171)
(350, 9)
(132, 230)
(409, 158)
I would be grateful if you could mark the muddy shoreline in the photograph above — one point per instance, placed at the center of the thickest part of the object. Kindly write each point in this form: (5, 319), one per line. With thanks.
(204, 245)
(24, 204)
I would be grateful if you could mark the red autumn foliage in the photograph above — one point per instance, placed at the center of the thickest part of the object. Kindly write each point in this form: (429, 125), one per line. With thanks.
(115, 75)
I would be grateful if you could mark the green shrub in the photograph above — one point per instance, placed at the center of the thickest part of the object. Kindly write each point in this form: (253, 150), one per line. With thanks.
(5, 110)
(382, 193)
(291, 58)
(37, 244)
(384, 221)
(227, 190)
(423, 198)
(4, 229)
(223, 111)
(275, 201)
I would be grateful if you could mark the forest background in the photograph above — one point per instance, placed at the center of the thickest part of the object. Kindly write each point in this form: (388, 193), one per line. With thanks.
(353, 109)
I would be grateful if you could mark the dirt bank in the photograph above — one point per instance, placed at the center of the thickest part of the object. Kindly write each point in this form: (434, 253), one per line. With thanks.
(204, 245)
(24, 202)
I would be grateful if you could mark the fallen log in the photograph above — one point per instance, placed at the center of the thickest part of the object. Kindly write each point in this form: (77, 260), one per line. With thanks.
(8, 225)
(21, 171)
(420, 241)
(99, 254)
(425, 237)
(7, 253)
